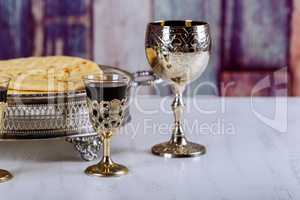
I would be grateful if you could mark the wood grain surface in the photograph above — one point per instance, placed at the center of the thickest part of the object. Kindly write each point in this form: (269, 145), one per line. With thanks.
(120, 31)
(295, 49)
(247, 35)
(270, 82)
(45, 27)
(256, 34)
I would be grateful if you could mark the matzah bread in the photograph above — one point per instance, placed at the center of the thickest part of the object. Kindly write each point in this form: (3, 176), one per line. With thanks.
(47, 74)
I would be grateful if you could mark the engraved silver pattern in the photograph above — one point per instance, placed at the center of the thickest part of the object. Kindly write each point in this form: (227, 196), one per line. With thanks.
(188, 39)
(178, 54)
(48, 119)
(88, 146)
(106, 115)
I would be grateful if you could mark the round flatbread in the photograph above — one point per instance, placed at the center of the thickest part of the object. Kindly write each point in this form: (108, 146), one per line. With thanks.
(47, 74)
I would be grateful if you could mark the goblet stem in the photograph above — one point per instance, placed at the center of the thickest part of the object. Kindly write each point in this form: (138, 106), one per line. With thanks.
(178, 107)
(178, 146)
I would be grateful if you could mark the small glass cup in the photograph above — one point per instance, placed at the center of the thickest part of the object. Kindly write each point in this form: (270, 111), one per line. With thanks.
(106, 99)
(4, 82)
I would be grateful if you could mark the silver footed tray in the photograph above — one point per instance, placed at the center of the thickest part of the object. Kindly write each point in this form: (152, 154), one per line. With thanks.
(59, 115)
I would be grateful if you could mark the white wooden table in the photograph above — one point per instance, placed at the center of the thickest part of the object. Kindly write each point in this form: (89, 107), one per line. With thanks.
(249, 161)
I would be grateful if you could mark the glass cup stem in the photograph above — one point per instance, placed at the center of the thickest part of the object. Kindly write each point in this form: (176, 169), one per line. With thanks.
(106, 148)
(106, 167)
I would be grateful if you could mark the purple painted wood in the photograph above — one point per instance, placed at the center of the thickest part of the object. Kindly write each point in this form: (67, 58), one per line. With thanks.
(295, 49)
(75, 41)
(120, 31)
(255, 83)
(256, 34)
(68, 28)
(55, 8)
(16, 29)
(46, 27)
(67, 40)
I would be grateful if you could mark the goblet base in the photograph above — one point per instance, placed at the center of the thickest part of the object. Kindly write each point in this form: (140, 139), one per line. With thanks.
(173, 150)
(5, 176)
(106, 170)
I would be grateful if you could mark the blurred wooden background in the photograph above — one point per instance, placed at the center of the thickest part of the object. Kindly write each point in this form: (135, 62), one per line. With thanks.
(256, 45)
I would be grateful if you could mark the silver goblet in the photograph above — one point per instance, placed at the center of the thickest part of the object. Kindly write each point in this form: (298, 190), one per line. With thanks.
(178, 52)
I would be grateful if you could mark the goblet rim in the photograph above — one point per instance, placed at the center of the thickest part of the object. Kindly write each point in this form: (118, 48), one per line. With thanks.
(178, 23)
(100, 78)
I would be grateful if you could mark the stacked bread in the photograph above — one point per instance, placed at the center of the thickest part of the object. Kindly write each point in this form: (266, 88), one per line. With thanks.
(47, 74)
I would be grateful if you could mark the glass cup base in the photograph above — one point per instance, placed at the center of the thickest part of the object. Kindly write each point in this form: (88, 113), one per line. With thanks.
(5, 176)
(173, 150)
(106, 170)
